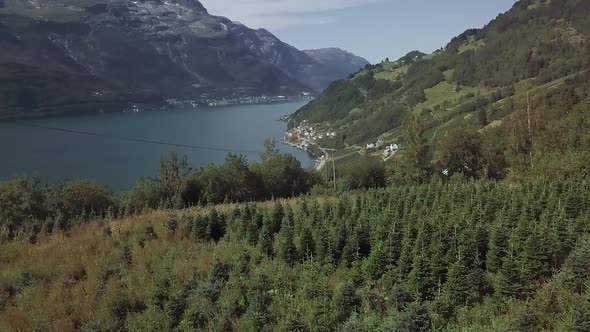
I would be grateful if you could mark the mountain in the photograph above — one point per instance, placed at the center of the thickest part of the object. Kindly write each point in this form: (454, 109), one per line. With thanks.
(86, 55)
(537, 46)
(314, 68)
(335, 63)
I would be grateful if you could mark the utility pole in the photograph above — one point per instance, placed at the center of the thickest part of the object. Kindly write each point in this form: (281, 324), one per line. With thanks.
(333, 164)
(528, 115)
(325, 162)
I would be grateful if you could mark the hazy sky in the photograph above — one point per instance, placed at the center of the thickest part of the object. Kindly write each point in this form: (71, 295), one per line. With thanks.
(374, 29)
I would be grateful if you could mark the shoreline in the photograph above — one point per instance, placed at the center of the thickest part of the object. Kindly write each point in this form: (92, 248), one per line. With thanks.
(118, 107)
(318, 160)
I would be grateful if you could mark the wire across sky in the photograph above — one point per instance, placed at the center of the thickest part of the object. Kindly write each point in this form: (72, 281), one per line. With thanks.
(136, 140)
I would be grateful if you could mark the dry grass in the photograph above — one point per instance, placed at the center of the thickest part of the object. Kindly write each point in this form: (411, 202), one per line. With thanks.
(67, 279)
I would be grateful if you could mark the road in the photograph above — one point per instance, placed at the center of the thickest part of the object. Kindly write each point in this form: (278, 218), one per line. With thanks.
(319, 166)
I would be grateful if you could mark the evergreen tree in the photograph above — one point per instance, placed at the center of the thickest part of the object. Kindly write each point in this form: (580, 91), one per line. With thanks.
(415, 319)
(127, 255)
(216, 225)
(199, 228)
(378, 262)
(457, 286)
(253, 227)
(323, 247)
(306, 244)
(509, 278)
(363, 239)
(578, 266)
(276, 217)
(404, 265)
(582, 317)
(420, 280)
(498, 247)
(288, 251)
(265, 241)
(346, 301)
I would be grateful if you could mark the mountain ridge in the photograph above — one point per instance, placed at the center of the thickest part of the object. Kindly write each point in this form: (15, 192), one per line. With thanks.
(61, 52)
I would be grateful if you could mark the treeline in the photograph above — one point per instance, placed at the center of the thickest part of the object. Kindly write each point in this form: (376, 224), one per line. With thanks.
(546, 136)
(236, 180)
(479, 256)
(27, 209)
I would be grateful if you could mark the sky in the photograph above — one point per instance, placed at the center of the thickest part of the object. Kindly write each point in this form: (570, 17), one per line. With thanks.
(373, 29)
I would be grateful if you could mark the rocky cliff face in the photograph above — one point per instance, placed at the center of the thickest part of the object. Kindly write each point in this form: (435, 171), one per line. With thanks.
(59, 53)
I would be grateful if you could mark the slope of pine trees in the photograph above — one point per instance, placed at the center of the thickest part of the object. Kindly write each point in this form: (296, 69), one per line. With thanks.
(479, 256)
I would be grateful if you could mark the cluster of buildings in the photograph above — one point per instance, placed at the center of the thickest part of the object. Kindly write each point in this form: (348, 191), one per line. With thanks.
(375, 146)
(207, 100)
(390, 149)
(246, 101)
(306, 134)
(255, 100)
(182, 102)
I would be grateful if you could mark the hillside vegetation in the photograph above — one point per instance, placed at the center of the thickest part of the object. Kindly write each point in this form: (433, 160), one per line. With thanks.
(533, 47)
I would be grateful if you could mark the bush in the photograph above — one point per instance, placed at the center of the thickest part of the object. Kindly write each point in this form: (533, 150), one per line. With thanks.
(145, 193)
(20, 199)
(75, 198)
(366, 174)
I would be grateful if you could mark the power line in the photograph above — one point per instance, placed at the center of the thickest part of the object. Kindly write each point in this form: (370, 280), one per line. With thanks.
(136, 140)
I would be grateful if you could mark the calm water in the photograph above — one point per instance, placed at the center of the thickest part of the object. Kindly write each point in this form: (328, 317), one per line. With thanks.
(112, 159)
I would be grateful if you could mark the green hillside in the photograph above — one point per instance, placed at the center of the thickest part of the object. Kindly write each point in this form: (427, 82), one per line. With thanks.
(536, 44)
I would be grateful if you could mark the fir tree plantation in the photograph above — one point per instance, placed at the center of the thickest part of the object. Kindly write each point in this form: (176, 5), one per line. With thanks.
(479, 256)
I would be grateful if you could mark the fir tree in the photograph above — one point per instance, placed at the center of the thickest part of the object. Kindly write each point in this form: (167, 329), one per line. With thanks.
(420, 280)
(346, 301)
(306, 244)
(323, 248)
(265, 241)
(127, 255)
(578, 266)
(457, 287)
(288, 251)
(508, 280)
(378, 262)
(199, 228)
(276, 217)
(582, 317)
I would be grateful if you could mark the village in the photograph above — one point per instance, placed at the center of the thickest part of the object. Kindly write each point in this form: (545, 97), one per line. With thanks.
(255, 100)
(305, 135)
(309, 137)
(209, 101)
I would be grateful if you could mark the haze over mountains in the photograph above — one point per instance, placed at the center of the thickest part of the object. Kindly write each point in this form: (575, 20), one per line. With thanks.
(61, 56)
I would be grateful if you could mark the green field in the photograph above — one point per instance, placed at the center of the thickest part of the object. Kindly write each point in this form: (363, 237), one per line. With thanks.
(447, 96)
